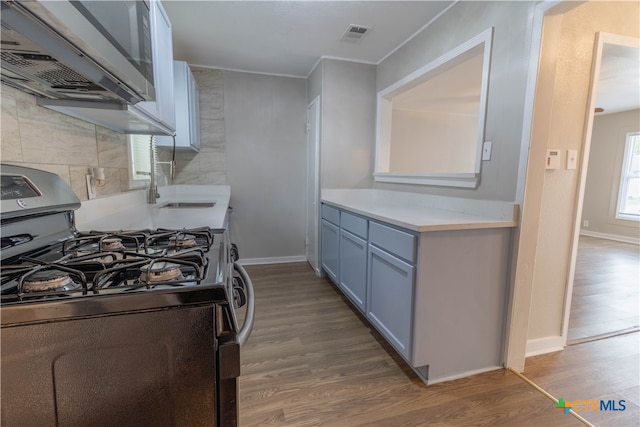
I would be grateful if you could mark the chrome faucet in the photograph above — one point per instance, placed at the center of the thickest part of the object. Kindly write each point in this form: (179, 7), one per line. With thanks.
(152, 194)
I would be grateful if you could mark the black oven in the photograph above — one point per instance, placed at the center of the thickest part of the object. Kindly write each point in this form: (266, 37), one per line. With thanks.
(124, 327)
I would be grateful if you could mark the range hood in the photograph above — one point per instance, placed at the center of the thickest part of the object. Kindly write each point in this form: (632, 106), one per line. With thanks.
(72, 64)
(41, 61)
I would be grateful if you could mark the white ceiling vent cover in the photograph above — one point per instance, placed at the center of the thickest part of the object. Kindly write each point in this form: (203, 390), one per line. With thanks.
(354, 33)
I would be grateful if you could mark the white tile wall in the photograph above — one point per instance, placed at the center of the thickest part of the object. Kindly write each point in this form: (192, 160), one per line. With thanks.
(36, 137)
(44, 139)
(209, 166)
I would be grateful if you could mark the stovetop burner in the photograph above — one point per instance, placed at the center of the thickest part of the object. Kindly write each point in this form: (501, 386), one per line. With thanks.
(181, 241)
(111, 244)
(160, 272)
(49, 280)
(96, 262)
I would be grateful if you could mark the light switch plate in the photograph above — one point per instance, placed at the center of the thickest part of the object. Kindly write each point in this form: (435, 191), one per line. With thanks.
(572, 159)
(486, 150)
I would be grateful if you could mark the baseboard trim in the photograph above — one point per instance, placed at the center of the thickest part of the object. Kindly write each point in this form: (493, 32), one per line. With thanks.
(544, 345)
(617, 238)
(273, 260)
(464, 374)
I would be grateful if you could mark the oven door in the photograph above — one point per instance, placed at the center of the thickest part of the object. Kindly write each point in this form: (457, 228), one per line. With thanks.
(147, 368)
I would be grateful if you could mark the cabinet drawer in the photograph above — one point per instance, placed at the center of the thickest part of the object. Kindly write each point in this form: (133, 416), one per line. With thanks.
(331, 214)
(354, 224)
(393, 240)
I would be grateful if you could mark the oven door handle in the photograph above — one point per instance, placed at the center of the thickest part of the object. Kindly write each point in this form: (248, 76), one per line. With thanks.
(247, 326)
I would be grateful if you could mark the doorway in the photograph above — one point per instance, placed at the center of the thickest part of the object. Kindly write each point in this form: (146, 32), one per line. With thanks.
(605, 293)
(602, 295)
(562, 114)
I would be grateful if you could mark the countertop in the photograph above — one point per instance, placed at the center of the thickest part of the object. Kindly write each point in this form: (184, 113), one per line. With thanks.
(423, 212)
(130, 211)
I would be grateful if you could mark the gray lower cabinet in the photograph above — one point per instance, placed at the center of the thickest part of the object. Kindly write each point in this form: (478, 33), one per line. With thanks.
(353, 268)
(390, 298)
(437, 297)
(330, 248)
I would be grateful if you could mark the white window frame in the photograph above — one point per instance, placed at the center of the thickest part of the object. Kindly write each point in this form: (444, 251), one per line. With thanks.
(625, 176)
(135, 162)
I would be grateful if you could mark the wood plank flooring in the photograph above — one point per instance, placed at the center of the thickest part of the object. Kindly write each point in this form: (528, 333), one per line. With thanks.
(312, 360)
(607, 369)
(606, 289)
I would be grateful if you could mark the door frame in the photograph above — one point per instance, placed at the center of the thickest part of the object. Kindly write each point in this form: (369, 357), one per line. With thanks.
(601, 39)
(313, 180)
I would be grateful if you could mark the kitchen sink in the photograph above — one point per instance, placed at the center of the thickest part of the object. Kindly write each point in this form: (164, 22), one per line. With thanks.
(188, 205)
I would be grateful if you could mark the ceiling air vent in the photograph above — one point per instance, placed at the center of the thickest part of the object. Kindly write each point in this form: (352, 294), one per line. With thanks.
(354, 33)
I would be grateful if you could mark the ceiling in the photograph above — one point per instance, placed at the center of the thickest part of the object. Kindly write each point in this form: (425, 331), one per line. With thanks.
(619, 79)
(289, 37)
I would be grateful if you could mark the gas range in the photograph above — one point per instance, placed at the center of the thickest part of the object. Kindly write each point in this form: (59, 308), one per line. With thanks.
(77, 307)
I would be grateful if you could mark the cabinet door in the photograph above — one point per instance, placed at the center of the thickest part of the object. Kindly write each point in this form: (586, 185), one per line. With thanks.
(353, 268)
(389, 297)
(163, 108)
(187, 107)
(194, 112)
(330, 249)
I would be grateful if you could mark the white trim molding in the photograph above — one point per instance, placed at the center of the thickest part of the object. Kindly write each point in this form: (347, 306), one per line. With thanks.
(272, 260)
(544, 345)
(616, 237)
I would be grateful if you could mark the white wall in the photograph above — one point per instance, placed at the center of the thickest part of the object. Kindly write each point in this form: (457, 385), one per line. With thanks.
(432, 141)
(512, 22)
(559, 122)
(603, 176)
(264, 118)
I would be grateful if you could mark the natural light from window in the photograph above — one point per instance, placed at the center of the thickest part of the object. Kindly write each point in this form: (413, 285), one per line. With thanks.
(139, 160)
(629, 191)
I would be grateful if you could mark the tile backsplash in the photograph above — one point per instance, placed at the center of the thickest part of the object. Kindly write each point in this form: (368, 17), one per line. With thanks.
(209, 165)
(40, 138)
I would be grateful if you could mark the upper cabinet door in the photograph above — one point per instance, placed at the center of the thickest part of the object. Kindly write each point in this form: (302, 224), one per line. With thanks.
(163, 109)
(187, 107)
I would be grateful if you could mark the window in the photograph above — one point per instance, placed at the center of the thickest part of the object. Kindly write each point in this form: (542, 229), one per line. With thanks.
(629, 191)
(431, 123)
(139, 160)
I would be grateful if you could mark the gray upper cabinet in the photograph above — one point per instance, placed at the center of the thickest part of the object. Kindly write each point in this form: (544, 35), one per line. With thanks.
(187, 107)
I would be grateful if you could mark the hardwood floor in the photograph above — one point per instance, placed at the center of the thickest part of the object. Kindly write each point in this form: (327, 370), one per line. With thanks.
(312, 360)
(606, 289)
(607, 369)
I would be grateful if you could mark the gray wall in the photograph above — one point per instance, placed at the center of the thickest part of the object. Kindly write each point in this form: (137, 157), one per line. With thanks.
(603, 174)
(348, 107)
(265, 136)
(512, 22)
